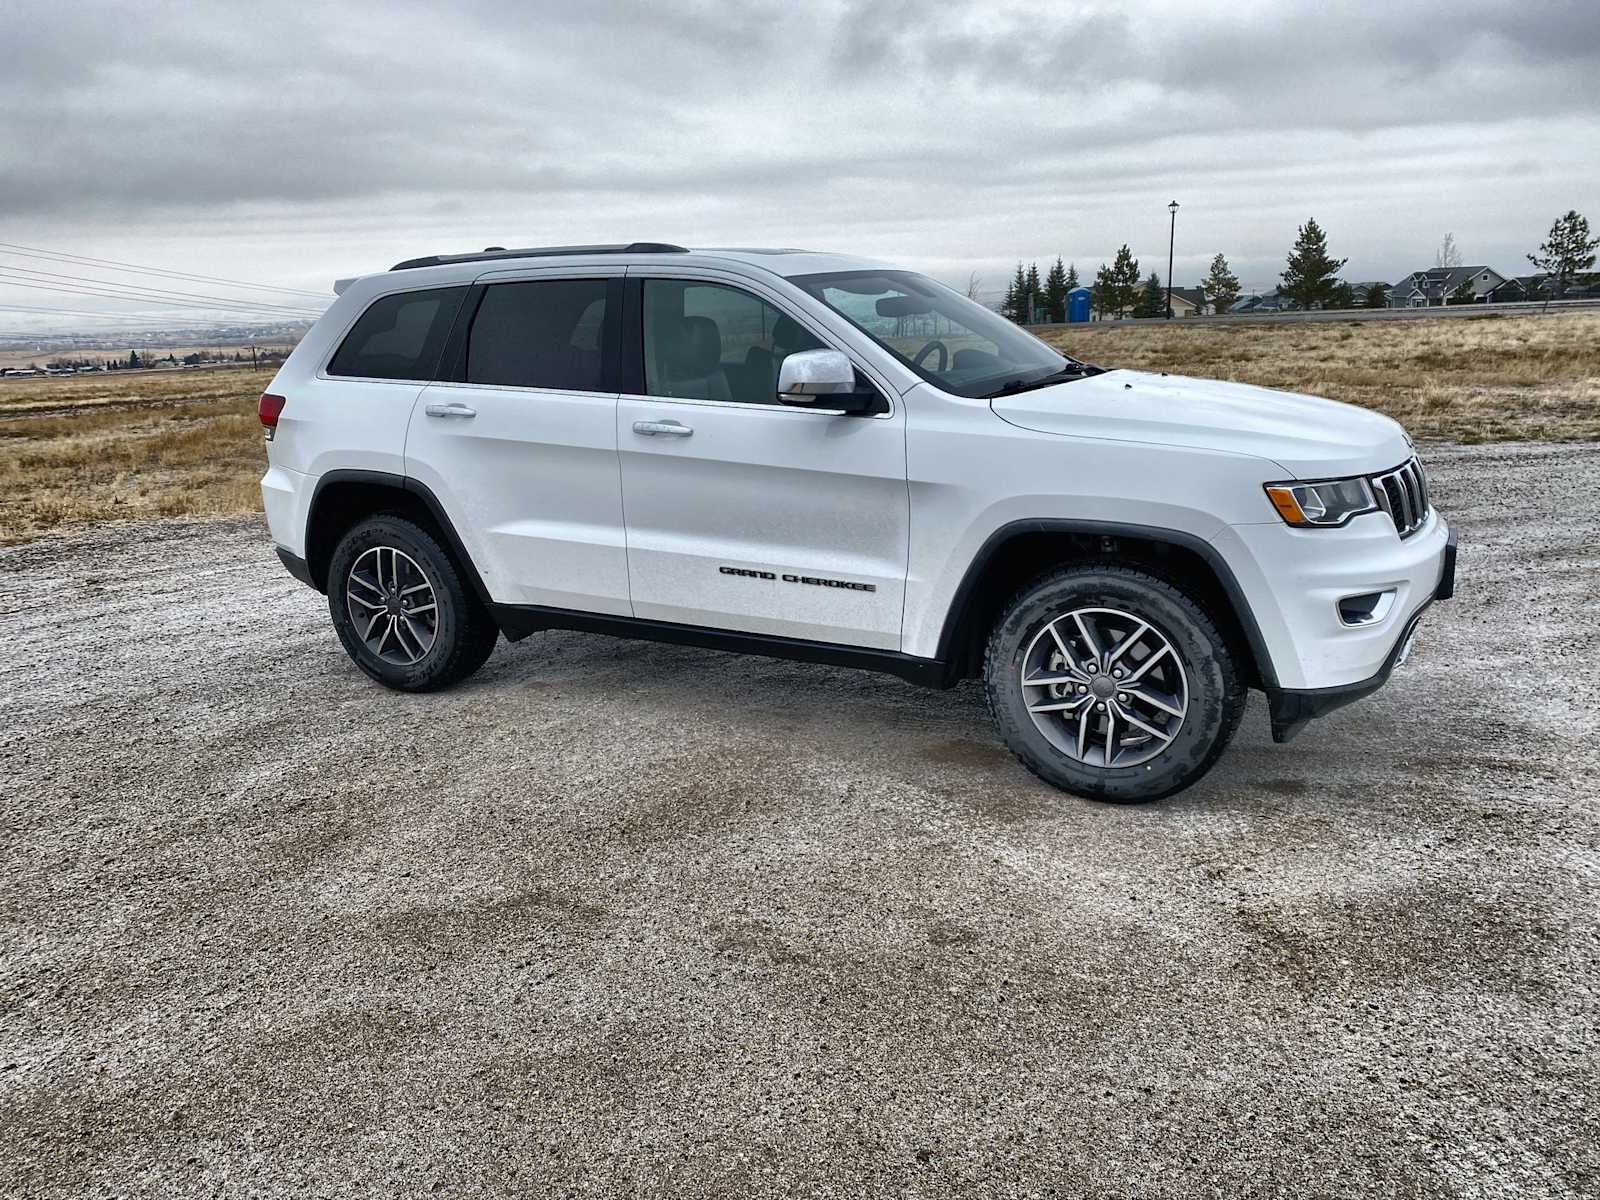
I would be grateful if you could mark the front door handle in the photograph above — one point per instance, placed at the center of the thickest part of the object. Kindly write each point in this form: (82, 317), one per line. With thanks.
(671, 428)
(450, 410)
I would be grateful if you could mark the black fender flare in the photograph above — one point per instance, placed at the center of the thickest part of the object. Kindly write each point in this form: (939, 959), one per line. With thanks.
(1209, 554)
(400, 483)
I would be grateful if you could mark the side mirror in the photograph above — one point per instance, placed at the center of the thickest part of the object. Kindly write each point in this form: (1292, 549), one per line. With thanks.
(822, 379)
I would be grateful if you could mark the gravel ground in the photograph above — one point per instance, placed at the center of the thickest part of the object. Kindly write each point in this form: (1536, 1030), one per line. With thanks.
(618, 918)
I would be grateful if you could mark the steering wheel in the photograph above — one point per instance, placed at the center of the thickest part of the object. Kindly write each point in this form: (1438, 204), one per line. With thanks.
(944, 355)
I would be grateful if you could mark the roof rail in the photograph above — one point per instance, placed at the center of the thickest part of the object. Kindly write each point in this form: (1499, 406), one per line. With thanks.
(493, 252)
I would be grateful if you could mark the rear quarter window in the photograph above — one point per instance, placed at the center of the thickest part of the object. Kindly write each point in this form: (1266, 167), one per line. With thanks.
(399, 336)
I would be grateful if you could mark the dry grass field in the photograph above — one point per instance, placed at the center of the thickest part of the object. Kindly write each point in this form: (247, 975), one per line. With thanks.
(135, 446)
(1485, 379)
(128, 446)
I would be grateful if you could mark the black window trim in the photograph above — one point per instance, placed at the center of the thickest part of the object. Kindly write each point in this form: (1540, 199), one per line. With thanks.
(631, 348)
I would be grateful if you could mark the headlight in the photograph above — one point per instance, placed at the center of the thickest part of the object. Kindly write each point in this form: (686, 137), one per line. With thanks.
(1329, 503)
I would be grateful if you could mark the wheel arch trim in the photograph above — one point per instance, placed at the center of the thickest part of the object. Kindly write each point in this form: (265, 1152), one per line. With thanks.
(398, 483)
(973, 578)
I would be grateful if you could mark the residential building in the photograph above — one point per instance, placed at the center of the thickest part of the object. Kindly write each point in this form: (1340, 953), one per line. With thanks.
(1188, 302)
(1438, 285)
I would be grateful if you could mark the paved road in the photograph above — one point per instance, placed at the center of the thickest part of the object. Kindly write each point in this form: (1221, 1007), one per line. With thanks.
(617, 918)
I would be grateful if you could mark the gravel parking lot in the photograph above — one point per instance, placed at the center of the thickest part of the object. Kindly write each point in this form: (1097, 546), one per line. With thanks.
(621, 918)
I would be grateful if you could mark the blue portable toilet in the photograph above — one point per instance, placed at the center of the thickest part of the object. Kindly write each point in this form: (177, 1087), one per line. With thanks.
(1078, 304)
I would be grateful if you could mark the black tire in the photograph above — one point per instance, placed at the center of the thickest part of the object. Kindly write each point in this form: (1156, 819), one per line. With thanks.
(1216, 693)
(464, 634)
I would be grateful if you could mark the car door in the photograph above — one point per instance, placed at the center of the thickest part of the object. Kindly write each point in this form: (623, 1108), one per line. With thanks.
(518, 440)
(743, 513)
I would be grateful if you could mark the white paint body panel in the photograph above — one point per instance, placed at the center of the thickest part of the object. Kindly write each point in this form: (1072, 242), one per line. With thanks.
(770, 489)
(532, 487)
(560, 503)
(1309, 437)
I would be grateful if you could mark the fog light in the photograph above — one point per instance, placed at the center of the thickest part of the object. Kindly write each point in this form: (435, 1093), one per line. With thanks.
(1365, 608)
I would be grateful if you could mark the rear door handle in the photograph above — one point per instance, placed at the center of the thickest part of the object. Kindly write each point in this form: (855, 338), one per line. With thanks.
(450, 410)
(671, 428)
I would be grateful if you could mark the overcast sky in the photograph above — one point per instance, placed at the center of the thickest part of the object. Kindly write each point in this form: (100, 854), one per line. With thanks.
(292, 144)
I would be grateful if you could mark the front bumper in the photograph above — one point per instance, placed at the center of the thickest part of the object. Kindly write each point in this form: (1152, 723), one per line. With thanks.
(1295, 580)
(1292, 708)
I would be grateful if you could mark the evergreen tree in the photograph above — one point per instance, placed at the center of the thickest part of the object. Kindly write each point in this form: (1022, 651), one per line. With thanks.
(1055, 292)
(1567, 253)
(1152, 300)
(1031, 310)
(1102, 292)
(1312, 273)
(1072, 276)
(1017, 297)
(1342, 296)
(1463, 294)
(133, 359)
(1377, 296)
(1125, 281)
(1221, 285)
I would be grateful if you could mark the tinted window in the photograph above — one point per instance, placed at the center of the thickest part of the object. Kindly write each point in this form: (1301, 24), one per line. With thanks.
(400, 336)
(704, 341)
(540, 334)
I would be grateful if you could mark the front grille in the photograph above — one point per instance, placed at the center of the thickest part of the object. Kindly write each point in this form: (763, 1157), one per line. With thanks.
(1403, 494)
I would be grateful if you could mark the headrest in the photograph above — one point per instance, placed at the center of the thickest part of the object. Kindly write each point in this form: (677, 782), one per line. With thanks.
(696, 349)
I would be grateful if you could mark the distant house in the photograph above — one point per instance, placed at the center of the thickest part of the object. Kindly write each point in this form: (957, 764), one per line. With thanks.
(1265, 302)
(1435, 286)
(1538, 287)
(1509, 291)
(1188, 302)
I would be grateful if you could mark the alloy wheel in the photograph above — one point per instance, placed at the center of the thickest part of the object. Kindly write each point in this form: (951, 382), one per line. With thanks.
(392, 605)
(1105, 687)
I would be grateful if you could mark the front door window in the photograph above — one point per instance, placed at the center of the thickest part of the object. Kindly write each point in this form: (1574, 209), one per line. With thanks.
(707, 341)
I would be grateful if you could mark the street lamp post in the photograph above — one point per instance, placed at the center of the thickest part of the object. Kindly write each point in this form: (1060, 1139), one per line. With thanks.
(1172, 236)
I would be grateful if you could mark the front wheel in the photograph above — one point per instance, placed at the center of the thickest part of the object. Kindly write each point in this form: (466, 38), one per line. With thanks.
(402, 609)
(1111, 683)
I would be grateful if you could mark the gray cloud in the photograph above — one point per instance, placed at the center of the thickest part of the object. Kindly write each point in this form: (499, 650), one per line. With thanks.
(298, 142)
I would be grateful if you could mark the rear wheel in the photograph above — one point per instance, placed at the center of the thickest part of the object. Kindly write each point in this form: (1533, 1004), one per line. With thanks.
(402, 610)
(1112, 683)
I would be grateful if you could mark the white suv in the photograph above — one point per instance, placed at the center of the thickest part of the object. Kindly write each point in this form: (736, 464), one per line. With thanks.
(825, 458)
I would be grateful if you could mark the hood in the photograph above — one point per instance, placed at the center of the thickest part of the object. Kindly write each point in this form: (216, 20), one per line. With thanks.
(1311, 438)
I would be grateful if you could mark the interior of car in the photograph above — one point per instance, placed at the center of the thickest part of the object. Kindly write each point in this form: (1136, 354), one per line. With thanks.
(707, 341)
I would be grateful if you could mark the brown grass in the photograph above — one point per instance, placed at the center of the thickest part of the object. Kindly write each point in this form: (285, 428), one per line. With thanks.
(102, 448)
(136, 446)
(1481, 379)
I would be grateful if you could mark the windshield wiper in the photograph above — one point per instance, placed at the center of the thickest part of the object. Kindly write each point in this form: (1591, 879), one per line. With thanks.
(1073, 370)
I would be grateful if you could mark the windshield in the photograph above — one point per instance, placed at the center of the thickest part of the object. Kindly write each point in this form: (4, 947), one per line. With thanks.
(947, 339)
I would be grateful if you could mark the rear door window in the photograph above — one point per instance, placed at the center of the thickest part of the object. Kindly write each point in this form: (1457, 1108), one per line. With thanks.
(543, 333)
(399, 336)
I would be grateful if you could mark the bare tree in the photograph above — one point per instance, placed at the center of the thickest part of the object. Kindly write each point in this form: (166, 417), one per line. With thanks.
(974, 281)
(1448, 254)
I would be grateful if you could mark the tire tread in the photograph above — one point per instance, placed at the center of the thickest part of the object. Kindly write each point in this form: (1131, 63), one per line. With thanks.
(1235, 693)
(477, 634)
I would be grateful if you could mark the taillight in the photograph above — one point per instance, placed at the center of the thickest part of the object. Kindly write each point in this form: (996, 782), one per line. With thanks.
(270, 408)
